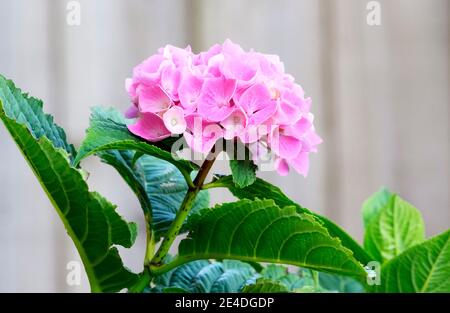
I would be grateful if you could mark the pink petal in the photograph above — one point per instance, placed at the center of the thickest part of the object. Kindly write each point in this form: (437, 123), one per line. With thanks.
(170, 80)
(150, 65)
(244, 69)
(286, 113)
(178, 56)
(150, 127)
(131, 87)
(152, 99)
(232, 48)
(286, 147)
(299, 129)
(174, 120)
(214, 102)
(132, 112)
(300, 163)
(215, 65)
(204, 57)
(282, 167)
(314, 139)
(189, 91)
(295, 96)
(254, 133)
(311, 141)
(202, 135)
(148, 72)
(234, 124)
(257, 104)
(270, 65)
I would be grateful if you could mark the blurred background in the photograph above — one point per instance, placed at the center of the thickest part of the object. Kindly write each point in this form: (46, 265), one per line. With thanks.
(380, 97)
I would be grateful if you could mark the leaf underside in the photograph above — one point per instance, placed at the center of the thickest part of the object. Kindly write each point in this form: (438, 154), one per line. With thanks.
(205, 277)
(158, 184)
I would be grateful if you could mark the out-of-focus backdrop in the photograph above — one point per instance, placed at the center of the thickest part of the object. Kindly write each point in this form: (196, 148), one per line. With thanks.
(380, 97)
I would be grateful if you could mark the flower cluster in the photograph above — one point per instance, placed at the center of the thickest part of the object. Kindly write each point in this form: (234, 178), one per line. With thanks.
(227, 93)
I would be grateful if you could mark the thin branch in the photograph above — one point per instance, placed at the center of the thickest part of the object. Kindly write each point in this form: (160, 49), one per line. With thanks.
(184, 210)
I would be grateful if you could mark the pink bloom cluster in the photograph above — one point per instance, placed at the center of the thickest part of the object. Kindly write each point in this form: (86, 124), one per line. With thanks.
(227, 93)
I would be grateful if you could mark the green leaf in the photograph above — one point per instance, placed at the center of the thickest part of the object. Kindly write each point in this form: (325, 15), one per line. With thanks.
(158, 184)
(291, 281)
(265, 286)
(174, 290)
(395, 228)
(243, 169)
(206, 277)
(422, 268)
(305, 281)
(264, 190)
(27, 111)
(90, 220)
(373, 205)
(244, 172)
(339, 283)
(260, 231)
(108, 131)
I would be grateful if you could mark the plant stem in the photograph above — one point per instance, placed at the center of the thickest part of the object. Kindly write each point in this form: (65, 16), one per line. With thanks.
(213, 185)
(183, 212)
(150, 242)
(315, 276)
(142, 283)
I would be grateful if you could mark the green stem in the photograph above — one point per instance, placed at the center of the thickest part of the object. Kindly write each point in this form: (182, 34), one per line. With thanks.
(187, 178)
(142, 283)
(183, 212)
(160, 269)
(213, 185)
(150, 242)
(315, 276)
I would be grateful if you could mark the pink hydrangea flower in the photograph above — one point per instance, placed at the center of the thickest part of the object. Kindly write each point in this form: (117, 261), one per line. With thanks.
(227, 93)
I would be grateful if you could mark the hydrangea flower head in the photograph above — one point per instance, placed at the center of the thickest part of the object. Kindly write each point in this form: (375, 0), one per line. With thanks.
(233, 94)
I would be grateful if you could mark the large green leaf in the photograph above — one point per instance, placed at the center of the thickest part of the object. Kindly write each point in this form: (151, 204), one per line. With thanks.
(395, 228)
(422, 268)
(204, 276)
(373, 205)
(260, 231)
(264, 190)
(158, 184)
(108, 131)
(90, 220)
